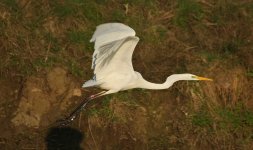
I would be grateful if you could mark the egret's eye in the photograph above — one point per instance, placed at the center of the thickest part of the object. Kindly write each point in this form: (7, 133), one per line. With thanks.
(194, 77)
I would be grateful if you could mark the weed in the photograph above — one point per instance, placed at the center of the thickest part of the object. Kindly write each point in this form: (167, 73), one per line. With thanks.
(81, 38)
(118, 16)
(79, 2)
(250, 73)
(146, 3)
(202, 119)
(102, 1)
(104, 111)
(185, 9)
(54, 44)
(11, 4)
(156, 34)
(91, 12)
(235, 117)
(161, 30)
(77, 37)
(75, 69)
(63, 9)
(224, 118)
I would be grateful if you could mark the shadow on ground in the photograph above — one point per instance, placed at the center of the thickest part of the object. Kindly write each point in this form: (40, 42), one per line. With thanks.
(64, 138)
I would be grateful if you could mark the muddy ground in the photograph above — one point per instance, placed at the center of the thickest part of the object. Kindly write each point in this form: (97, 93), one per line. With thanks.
(46, 56)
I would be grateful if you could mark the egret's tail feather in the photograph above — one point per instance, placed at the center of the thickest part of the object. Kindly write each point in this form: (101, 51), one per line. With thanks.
(90, 83)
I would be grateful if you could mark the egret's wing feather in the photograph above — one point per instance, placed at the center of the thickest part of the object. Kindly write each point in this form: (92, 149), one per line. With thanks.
(114, 46)
(116, 58)
(107, 33)
(105, 54)
(90, 83)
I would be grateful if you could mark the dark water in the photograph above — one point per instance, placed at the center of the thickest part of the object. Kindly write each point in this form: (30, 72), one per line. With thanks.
(64, 139)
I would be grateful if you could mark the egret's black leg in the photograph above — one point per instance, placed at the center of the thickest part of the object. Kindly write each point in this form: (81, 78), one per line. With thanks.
(78, 109)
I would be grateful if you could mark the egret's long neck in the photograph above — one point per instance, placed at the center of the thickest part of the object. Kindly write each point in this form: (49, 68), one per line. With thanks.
(169, 82)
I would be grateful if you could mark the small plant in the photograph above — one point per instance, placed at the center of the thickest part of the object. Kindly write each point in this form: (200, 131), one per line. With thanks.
(91, 12)
(77, 37)
(202, 119)
(148, 3)
(250, 73)
(54, 44)
(235, 117)
(65, 8)
(12, 4)
(118, 15)
(75, 69)
(186, 9)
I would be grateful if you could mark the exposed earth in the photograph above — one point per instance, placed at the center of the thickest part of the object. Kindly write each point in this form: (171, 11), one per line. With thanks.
(46, 56)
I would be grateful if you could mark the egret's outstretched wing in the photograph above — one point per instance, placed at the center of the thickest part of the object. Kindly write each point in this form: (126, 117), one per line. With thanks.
(114, 46)
(109, 32)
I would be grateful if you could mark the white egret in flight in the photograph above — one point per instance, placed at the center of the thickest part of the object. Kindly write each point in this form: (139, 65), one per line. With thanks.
(112, 63)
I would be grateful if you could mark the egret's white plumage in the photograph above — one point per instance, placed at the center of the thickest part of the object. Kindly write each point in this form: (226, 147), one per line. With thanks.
(112, 61)
(112, 64)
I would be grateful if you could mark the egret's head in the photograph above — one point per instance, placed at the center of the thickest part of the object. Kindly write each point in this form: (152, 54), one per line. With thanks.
(187, 76)
(194, 77)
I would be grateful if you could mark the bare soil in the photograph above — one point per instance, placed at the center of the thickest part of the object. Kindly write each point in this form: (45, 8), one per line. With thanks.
(46, 56)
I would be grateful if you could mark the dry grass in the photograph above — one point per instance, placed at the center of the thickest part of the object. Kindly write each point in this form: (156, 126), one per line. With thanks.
(204, 37)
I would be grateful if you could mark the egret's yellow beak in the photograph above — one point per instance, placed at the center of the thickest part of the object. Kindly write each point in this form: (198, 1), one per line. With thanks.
(202, 78)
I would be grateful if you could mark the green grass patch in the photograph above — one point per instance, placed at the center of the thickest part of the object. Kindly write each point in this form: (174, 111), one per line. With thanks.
(54, 44)
(186, 10)
(202, 118)
(142, 3)
(250, 73)
(75, 68)
(12, 4)
(118, 16)
(64, 8)
(91, 12)
(235, 117)
(104, 110)
(77, 37)
(81, 38)
(225, 118)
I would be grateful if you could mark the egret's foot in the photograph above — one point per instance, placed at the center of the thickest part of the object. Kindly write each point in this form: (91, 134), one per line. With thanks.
(66, 121)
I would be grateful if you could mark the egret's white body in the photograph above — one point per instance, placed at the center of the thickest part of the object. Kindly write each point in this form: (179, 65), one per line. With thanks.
(112, 61)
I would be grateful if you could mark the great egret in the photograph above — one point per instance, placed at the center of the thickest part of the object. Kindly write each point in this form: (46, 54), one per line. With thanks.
(112, 63)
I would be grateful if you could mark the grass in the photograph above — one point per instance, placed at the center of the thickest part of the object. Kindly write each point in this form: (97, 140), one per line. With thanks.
(250, 73)
(77, 37)
(210, 57)
(223, 125)
(186, 10)
(103, 111)
(12, 4)
(28, 47)
(229, 119)
(159, 142)
(63, 9)
(232, 46)
(75, 68)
